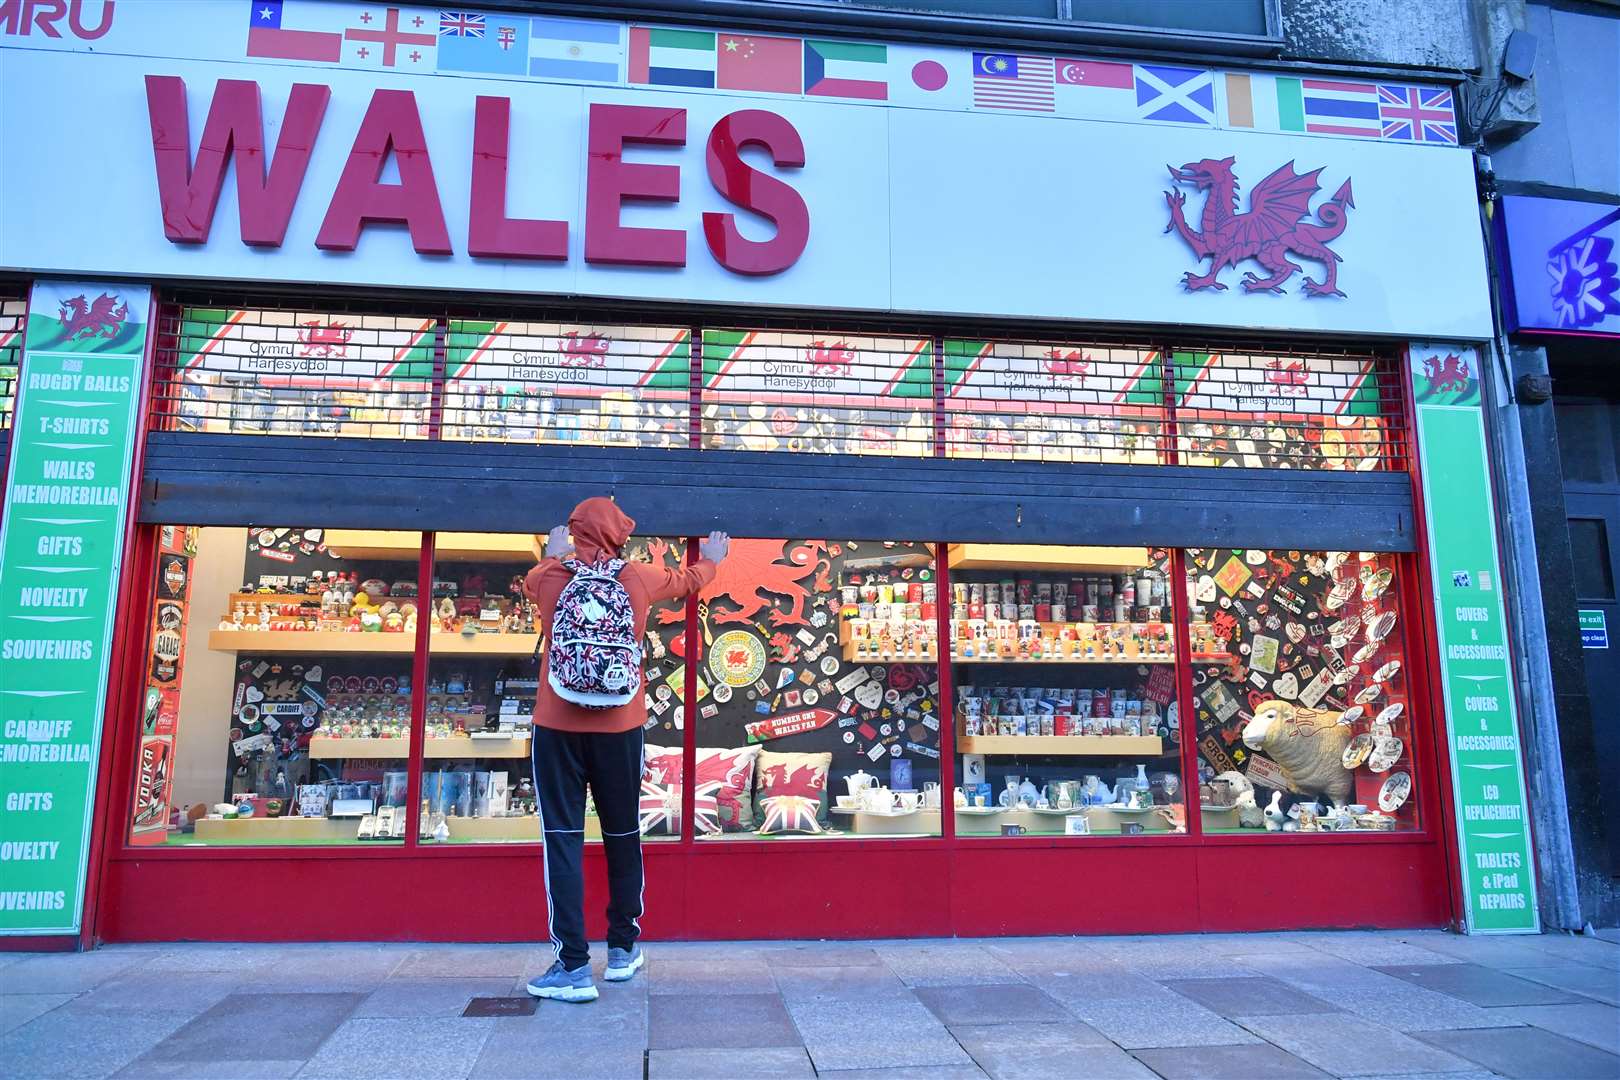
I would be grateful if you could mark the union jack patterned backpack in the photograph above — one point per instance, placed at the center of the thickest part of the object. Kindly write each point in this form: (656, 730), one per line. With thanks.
(594, 658)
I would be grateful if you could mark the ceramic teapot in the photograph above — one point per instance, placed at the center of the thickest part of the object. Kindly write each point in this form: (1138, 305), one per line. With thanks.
(858, 781)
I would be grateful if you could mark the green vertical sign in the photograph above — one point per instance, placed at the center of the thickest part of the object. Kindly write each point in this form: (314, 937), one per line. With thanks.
(1482, 727)
(61, 542)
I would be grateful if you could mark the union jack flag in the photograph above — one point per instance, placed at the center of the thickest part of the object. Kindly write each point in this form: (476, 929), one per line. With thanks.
(1417, 114)
(460, 24)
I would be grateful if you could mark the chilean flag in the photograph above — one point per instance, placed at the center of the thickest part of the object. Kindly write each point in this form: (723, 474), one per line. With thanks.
(267, 39)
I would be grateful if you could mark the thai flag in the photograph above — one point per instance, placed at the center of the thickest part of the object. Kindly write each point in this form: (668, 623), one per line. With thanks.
(268, 40)
(460, 24)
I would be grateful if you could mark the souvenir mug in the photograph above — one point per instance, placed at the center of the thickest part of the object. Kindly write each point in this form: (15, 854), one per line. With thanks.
(1013, 830)
(931, 795)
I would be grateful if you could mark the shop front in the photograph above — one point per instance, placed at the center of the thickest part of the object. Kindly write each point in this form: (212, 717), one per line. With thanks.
(1089, 516)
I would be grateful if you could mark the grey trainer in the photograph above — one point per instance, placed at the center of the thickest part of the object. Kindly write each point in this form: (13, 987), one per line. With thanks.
(560, 984)
(623, 963)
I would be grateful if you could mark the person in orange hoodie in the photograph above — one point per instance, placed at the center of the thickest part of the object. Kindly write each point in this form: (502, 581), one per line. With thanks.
(574, 746)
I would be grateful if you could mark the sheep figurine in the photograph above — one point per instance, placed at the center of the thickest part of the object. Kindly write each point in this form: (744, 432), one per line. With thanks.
(1307, 745)
(1249, 815)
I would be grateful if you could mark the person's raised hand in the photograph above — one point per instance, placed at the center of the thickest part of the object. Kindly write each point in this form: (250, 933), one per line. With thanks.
(557, 545)
(715, 546)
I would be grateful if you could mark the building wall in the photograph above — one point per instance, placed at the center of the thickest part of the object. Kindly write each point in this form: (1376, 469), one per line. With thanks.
(1407, 33)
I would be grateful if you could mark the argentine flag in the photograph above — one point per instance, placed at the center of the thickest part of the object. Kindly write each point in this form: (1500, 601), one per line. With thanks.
(582, 50)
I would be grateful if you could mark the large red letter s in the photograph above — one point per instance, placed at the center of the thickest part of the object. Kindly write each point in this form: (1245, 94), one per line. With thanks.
(188, 194)
(753, 190)
(609, 180)
(391, 124)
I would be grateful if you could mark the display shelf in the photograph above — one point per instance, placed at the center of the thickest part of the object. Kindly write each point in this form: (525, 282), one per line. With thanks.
(277, 830)
(921, 822)
(1064, 745)
(456, 746)
(318, 642)
(1103, 821)
(1063, 660)
(509, 830)
(447, 546)
(851, 658)
(1080, 560)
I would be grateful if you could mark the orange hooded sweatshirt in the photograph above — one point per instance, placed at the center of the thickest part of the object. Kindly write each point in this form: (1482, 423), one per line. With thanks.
(600, 529)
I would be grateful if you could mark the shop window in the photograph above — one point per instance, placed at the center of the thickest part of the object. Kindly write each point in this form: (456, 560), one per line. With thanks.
(820, 393)
(12, 313)
(278, 700)
(290, 372)
(818, 692)
(1304, 722)
(1046, 401)
(1063, 668)
(477, 772)
(604, 385)
(1285, 411)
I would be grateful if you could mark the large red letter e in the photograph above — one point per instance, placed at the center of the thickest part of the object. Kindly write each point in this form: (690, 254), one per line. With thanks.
(610, 180)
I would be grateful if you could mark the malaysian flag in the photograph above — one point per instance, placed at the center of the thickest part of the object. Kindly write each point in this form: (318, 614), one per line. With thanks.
(1417, 114)
(1005, 81)
(461, 24)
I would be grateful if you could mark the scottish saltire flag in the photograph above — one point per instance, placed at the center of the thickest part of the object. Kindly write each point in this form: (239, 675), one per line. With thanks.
(662, 57)
(499, 47)
(1417, 114)
(584, 50)
(1016, 83)
(460, 24)
(846, 69)
(1175, 95)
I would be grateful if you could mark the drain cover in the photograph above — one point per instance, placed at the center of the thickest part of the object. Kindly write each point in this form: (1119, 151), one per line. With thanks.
(502, 1006)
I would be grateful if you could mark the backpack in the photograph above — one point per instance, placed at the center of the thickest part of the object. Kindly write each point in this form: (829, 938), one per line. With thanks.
(594, 656)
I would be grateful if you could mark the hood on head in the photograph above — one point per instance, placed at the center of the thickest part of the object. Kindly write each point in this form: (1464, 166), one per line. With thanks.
(599, 529)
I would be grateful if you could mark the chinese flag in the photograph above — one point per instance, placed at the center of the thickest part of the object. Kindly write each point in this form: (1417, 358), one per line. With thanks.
(750, 62)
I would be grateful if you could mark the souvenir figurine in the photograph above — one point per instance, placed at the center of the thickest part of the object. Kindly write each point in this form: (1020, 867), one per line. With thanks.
(1307, 745)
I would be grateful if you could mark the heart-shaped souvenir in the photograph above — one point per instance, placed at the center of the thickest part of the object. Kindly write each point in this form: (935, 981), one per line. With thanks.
(314, 674)
(1286, 686)
(254, 694)
(869, 695)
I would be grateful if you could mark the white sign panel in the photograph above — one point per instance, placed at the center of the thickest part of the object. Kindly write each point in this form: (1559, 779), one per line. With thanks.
(909, 209)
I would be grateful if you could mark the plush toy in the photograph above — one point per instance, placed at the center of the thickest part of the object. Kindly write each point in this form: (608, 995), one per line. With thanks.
(1307, 745)
(1274, 813)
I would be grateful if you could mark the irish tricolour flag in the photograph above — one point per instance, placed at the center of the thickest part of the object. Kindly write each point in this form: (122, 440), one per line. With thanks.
(661, 57)
(846, 69)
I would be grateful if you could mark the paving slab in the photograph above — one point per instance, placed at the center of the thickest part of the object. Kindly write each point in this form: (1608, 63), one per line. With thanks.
(719, 1021)
(819, 955)
(727, 1064)
(1594, 1024)
(276, 1026)
(473, 962)
(1351, 1046)
(568, 1047)
(1254, 995)
(951, 964)
(991, 1004)
(17, 1009)
(428, 997)
(862, 981)
(1173, 957)
(1041, 956)
(1528, 1052)
(1113, 984)
(1405, 1007)
(1165, 1020)
(665, 976)
(1478, 985)
(1600, 983)
(876, 1033)
(214, 956)
(147, 1068)
(1257, 1061)
(67, 973)
(1580, 948)
(385, 1048)
(336, 969)
(163, 991)
(67, 1043)
(1506, 950)
(1372, 947)
(1046, 1052)
(935, 1072)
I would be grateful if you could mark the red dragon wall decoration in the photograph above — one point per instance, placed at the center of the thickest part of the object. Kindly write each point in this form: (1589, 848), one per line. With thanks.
(753, 569)
(1273, 226)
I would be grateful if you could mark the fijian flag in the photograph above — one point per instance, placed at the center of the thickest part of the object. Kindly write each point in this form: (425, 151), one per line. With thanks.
(461, 24)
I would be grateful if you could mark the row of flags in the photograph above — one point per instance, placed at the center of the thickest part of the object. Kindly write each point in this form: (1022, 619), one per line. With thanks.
(594, 51)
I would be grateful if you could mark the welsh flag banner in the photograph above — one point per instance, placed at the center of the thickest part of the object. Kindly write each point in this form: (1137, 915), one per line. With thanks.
(1297, 385)
(309, 349)
(568, 358)
(845, 370)
(1051, 376)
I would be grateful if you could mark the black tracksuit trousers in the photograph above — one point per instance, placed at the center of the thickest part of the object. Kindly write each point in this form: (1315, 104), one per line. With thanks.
(564, 762)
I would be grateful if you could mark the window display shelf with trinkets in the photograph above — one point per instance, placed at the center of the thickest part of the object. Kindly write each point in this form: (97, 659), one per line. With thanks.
(1072, 754)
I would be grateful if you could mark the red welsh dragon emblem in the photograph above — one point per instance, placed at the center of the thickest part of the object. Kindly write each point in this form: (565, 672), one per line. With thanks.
(589, 350)
(100, 319)
(835, 359)
(1449, 374)
(1067, 365)
(751, 571)
(1273, 226)
(329, 340)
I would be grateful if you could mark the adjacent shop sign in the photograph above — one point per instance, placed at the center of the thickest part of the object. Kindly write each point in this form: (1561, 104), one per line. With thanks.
(1594, 628)
(61, 544)
(1563, 276)
(1487, 761)
(765, 183)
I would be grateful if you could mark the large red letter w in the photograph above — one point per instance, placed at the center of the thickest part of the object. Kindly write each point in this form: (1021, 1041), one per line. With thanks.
(235, 123)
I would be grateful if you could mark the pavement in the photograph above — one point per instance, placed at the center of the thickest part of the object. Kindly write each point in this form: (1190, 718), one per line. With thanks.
(1410, 1004)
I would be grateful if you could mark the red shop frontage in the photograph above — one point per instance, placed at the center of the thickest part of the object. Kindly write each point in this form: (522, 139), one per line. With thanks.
(1098, 606)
